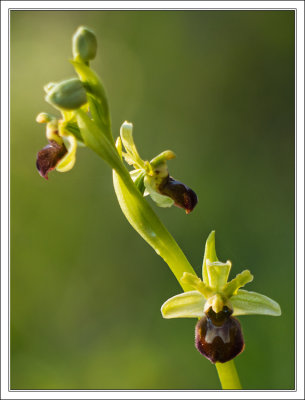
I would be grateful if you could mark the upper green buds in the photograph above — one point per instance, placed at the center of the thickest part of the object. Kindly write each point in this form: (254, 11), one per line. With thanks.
(68, 95)
(84, 44)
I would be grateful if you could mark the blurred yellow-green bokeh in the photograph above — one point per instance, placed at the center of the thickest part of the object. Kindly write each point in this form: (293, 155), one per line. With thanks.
(217, 88)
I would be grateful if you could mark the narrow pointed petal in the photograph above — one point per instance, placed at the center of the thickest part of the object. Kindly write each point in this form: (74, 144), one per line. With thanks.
(184, 305)
(197, 284)
(239, 281)
(162, 158)
(246, 303)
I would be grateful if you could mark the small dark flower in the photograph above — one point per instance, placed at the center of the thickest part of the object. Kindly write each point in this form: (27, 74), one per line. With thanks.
(49, 157)
(219, 336)
(152, 178)
(61, 150)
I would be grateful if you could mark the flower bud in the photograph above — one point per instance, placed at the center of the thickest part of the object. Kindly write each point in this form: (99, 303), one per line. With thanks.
(44, 118)
(84, 44)
(219, 336)
(68, 95)
(183, 196)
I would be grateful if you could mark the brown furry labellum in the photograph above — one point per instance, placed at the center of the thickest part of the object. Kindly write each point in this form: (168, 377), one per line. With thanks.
(183, 196)
(49, 157)
(219, 336)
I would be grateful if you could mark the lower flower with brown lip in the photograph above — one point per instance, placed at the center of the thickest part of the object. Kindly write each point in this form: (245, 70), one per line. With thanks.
(216, 301)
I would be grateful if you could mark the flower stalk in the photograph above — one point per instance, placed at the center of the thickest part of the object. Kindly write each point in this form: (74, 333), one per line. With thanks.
(228, 375)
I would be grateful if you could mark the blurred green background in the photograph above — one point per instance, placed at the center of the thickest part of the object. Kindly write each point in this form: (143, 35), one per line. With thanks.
(217, 88)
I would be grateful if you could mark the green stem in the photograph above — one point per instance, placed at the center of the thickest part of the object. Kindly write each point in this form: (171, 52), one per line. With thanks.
(144, 220)
(228, 375)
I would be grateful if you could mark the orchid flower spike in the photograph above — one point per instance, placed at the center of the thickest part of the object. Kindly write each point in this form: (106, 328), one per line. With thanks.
(216, 301)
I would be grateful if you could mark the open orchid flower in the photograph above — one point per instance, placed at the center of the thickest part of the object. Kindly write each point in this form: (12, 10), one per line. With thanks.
(216, 301)
(61, 150)
(152, 178)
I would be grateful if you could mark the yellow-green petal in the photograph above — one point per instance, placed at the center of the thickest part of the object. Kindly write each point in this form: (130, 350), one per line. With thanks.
(246, 303)
(197, 284)
(239, 281)
(68, 161)
(218, 273)
(130, 147)
(184, 305)
(209, 254)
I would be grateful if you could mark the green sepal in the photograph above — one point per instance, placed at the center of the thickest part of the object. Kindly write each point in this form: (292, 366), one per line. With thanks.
(162, 158)
(185, 305)
(246, 303)
(209, 254)
(196, 283)
(137, 175)
(132, 156)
